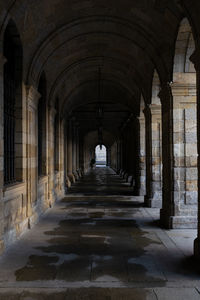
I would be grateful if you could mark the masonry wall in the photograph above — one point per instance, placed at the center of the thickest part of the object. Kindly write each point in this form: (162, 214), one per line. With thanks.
(22, 203)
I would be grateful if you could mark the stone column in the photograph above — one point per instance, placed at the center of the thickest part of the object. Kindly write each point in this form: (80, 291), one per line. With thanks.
(2, 62)
(185, 153)
(140, 187)
(179, 173)
(148, 147)
(81, 154)
(61, 157)
(167, 211)
(153, 156)
(67, 182)
(195, 58)
(77, 149)
(74, 144)
(119, 163)
(108, 158)
(69, 154)
(132, 138)
(32, 153)
(51, 194)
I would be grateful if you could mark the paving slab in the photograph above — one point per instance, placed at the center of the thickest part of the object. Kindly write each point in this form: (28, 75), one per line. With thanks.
(177, 294)
(100, 244)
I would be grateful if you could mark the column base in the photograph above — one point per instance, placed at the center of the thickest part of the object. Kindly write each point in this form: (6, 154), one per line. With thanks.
(68, 182)
(153, 202)
(197, 248)
(177, 222)
(79, 173)
(76, 176)
(71, 178)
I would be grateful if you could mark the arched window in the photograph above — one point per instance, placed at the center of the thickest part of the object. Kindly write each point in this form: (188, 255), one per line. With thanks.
(42, 127)
(12, 105)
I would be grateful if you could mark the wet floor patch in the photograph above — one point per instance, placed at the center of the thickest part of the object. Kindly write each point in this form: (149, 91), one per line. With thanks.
(101, 240)
(99, 247)
(81, 294)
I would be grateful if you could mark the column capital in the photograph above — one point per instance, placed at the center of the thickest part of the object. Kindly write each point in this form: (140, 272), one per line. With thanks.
(155, 109)
(165, 92)
(141, 119)
(33, 96)
(147, 110)
(183, 89)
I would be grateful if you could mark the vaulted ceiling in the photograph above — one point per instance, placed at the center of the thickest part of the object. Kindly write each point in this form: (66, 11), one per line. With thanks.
(70, 40)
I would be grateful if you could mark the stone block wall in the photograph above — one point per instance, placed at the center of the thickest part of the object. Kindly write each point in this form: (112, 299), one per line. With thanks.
(22, 203)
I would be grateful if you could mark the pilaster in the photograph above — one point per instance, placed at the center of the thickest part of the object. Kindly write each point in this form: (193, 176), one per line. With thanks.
(195, 58)
(70, 176)
(178, 193)
(51, 118)
(32, 174)
(153, 196)
(2, 62)
(167, 211)
(140, 187)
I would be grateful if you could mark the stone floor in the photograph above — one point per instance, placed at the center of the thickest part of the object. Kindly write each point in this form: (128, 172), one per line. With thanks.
(99, 242)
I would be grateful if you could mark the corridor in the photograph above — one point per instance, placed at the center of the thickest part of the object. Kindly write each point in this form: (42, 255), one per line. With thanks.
(99, 242)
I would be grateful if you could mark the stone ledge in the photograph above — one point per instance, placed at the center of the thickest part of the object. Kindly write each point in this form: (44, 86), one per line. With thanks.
(13, 189)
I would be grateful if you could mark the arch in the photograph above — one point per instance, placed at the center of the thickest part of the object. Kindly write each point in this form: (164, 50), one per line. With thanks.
(153, 121)
(63, 36)
(89, 64)
(83, 93)
(184, 48)
(156, 86)
(101, 155)
(13, 150)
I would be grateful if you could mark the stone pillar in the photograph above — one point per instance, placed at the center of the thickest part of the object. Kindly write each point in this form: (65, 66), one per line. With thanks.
(167, 211)
(119, 164)
(74, 144)
(132, 155)
(140, 187)
(185, 153)
(179, 173)
(108, 158)
(61, 157)
(81, 154)
(2, 62)
(32, 153)
(67, 183)
(77, 149)
(51, 194)
(195, 58)
(69, 154)
(148, 147)
(153, 196)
